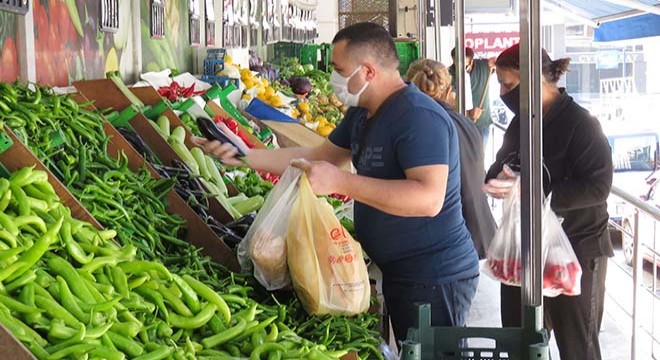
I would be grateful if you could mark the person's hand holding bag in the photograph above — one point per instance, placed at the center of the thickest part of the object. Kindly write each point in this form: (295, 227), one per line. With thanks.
(501, 187)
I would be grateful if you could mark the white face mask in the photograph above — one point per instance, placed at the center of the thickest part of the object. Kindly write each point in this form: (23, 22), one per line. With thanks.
(340, 87)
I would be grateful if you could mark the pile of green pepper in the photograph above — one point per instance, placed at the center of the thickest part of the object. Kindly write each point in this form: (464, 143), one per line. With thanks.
(71, 141)
(68, 291)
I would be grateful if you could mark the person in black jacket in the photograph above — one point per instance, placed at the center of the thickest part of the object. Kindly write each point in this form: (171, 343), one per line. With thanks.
(433, 78)
(578, 171)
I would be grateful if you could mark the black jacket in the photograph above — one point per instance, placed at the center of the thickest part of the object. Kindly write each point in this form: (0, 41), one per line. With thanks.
(578, 171)
(476, 212)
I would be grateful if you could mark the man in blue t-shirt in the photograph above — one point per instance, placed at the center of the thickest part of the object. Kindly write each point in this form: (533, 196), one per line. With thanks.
(407, 187)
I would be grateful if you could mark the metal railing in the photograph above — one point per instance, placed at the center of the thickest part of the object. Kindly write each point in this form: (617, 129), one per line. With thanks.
(638, 208)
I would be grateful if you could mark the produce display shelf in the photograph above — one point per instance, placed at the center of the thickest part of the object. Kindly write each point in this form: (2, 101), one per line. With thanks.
(199, 233)
(15, 157)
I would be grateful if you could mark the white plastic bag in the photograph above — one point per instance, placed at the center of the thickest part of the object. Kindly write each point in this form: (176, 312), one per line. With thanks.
(264, 246)
(561, 269)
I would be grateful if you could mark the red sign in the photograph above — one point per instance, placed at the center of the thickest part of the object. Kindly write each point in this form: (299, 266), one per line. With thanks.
(486, 44)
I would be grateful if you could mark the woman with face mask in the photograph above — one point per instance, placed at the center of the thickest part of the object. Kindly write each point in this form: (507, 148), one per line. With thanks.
(433, 78)
(578, 171)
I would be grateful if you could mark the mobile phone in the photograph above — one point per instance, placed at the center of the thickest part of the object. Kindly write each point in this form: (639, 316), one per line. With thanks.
(211, 132)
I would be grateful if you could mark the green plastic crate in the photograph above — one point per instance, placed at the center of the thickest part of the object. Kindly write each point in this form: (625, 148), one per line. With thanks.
(282, 50)
(408, 52)
(309, 54)
(465, 343)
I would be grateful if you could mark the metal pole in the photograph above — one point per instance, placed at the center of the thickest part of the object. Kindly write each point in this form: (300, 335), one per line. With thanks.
(438, 29)
(421, 27)
(531, 151)
(459, 61)
(637, 279)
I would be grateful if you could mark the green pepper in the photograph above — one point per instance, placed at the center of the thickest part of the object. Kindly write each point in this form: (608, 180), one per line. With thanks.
(176, 303)
(74, 351)
(56, 310)
(63, 268)
(158, 354)
(72, 247)
(266, 348)
(256, 328)
(32, 255)
(225, 336)
(128, 346)
(137, 266)
(157, 298)
(195, 322)
(107, 353)
(210, 295)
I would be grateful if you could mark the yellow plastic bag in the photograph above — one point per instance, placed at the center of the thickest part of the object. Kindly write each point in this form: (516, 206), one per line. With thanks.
(325, 263)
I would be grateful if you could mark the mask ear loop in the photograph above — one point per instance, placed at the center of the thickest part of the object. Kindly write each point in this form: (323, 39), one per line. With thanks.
(364, 87)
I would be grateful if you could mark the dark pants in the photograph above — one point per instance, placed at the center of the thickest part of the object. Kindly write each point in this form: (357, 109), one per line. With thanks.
(575, 320)
(450, 303)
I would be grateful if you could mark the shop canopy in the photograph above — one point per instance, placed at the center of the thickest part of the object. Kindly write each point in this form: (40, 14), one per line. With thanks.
(616, 20)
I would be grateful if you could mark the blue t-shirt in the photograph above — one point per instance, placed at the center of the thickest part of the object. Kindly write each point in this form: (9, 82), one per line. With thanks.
(409, 130)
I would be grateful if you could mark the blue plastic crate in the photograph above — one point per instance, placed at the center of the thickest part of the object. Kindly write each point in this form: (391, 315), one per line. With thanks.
(218, 54)
(222, 81)
(213, 66)
(263, 111)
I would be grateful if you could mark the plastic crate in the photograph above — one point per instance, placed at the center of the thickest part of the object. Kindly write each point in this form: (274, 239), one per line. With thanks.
(263, 111)
(408, 52)
(218, 54)
(222, 81)
(326, 57)
(309, 54)
(282, 50)
(213, 66)
(464, 343)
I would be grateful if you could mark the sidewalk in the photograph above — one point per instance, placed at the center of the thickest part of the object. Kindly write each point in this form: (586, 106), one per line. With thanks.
(485, 312)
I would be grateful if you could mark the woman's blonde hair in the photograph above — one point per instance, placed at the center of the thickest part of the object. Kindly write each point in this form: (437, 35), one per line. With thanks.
(430, 76)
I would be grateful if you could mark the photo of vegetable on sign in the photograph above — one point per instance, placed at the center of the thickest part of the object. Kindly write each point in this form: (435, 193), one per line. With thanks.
(8, 55)
(69, 45)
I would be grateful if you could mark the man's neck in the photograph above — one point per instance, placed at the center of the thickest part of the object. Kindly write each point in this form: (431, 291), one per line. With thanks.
(385, 90)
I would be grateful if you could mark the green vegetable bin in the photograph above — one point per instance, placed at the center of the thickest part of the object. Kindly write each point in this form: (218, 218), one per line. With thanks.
(462, 343)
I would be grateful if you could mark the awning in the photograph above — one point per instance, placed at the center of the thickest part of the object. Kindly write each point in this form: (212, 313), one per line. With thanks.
(616, 20)
(636, 27)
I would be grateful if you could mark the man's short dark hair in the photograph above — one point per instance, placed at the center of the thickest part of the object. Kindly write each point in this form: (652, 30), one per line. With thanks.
(370, 37)
(469, 53)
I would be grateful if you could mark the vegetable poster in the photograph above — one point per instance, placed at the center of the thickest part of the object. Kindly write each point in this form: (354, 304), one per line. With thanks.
(173, 51)
(9, 70)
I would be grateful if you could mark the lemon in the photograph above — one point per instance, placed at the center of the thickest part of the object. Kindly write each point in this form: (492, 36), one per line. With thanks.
(324, 130)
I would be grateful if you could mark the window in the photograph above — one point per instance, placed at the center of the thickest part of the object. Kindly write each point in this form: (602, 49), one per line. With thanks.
(634, 152)
(355, 11)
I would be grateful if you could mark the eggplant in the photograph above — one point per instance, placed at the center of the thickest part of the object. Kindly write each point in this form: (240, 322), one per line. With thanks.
(139, 144)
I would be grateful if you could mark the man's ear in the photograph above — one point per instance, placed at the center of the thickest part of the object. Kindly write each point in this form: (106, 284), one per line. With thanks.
(372, 70)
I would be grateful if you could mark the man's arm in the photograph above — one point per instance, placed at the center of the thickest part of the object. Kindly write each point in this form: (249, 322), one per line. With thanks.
(421, 194)
(276, 161)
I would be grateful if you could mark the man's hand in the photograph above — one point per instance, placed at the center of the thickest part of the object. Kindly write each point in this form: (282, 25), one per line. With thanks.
(474, 113)
(324, 177)
(501, 186)
(224, 152)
